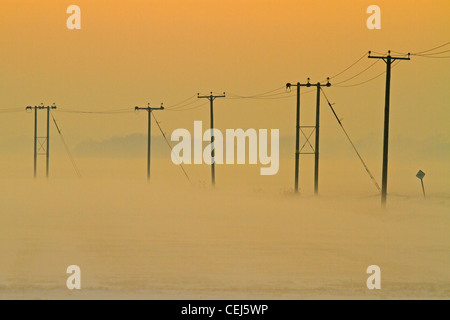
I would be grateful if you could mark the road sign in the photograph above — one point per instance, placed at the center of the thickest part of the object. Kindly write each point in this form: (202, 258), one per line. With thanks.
(420, 175)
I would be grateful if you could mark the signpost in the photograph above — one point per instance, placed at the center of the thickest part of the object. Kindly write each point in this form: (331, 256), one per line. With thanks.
(421, 175)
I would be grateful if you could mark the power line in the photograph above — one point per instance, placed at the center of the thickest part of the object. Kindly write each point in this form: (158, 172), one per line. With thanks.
(358, 74)
(266, 98)
(192, 108)
(183, 107)
(179, 103)
(432, 57)
(366, 81)
(274, 96)
(431, 54)
(351, 142)
(10, 111)
(267, 93)
(118, 111)
(170, 147)
(438, 47)
(348, 68)
(14, 108)
(72, 160)
(428, 53)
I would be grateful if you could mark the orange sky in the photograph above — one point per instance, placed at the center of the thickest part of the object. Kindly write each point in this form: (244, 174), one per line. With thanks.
(132, 52)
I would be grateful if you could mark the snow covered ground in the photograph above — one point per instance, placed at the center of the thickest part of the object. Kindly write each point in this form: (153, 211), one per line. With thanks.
(134, 241)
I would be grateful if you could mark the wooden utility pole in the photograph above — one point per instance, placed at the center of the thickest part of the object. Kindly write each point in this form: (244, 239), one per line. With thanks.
(211, 99)
(298, 130)
(388, 60)
(44, 142)
(149, 110)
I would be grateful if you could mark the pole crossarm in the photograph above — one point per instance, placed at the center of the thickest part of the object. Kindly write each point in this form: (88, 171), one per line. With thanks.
(149, 108)
(308, 84)
(41, 107)
(384, 58)
(211, 97)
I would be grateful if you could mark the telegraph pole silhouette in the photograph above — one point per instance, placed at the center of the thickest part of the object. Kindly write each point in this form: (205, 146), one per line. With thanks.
(388, 60)
(44, 142)
(211, 99)
(297, 133)
(316, 128)
(149, 110)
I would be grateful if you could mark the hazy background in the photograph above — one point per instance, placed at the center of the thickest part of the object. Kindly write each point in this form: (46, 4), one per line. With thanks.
(173, 238)
(134, 52)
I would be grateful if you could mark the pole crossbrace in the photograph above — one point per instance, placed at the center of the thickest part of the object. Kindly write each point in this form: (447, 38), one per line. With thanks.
(41, 143)
(315, 149)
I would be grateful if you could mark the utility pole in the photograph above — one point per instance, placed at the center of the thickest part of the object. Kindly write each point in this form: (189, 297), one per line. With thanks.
(149, 110)
(41, 140)
(388, 60)
(298, 151)
(316, 149)
(48, 142)
(211, 99)
(35, 141)
(297, 133)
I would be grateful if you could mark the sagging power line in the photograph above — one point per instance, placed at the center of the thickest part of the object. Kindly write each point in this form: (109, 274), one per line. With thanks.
(119, 111)
(351, 142)
(10, 110)
(69, 154)
(170, 146)
(429, 53)
(273, 94)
